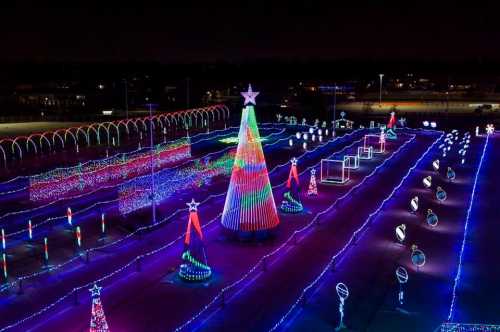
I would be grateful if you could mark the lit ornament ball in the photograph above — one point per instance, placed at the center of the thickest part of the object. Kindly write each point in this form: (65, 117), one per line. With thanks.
(402, 275)
(320, 138)
(313, 138)
(305, 136)
(326, 132)
(311, 130)
(304, 145)
(440, 194)
(417, 256)
(432, 219)
(342, 291)
(435, 165)
(290, 142)
(450, 174)
(414, 204)
(320, 132)
(427, 181)
(401, 232)
(297, 135)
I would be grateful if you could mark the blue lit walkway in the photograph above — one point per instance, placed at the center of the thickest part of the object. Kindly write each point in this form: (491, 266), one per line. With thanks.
(478, 292)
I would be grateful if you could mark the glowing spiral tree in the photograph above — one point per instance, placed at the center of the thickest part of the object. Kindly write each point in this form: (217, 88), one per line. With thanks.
(291, 198)
(391, 126)
(98, 321)
(194, 265)
(249, 205)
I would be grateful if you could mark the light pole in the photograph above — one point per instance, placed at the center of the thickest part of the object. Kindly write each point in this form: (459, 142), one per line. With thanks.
(126, 97)
(380, 90)
(152, 152)
(334, 104)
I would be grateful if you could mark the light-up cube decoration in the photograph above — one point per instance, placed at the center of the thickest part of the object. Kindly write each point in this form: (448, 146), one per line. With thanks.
(365, 153)
(334, 171)
(375, 141)
(352, 161)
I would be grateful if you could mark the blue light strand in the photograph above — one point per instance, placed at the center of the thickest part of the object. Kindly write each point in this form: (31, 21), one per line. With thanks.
(471, 202)
(145, 228)
(346, 246)
(292, 236)
(111, 274)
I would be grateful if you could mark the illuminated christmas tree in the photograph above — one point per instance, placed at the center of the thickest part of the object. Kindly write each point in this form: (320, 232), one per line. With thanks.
(291, 198)
(249, 202)
(391, 126)
(98, 319)
(194, 265)
(313, 188)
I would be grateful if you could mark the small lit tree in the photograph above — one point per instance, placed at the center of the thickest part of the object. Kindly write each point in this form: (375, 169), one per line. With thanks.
(98, 319)
(313, 188)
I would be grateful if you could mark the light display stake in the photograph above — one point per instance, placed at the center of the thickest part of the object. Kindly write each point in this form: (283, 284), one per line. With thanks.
(78, 235)
(290, 142)
(304, 145)
(3, 240)
(30, 230)
(414, 204)
(313, 188)
(4, 266)
(298, 135)
(103, 225)
(417, 256)
(98, 321)
(249, 204)
(402, 277)
(440, 194)
(343, 294)
(427, 181)
(431, 218)
(401, 233)
(450, 174)
(45, 252)
(69, 215)
(435, 165)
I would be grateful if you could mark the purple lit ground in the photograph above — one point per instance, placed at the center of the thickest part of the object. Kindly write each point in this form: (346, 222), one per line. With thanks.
(150, 298)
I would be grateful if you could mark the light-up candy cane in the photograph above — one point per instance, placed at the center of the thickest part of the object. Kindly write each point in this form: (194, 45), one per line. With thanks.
(343, 293)
(30, 231)
(4, 266)
(402, 276)
(45, 252)
(69, 214)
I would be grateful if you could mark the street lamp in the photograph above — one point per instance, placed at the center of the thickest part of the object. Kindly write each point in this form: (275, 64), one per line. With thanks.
(380, 91)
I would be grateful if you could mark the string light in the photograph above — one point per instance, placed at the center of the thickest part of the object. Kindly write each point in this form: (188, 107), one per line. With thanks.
(306, 227)
(348, 243)
(161, 248)
(466, 226)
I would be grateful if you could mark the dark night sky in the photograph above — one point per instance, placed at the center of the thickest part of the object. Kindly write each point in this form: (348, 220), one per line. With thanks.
(207, 33)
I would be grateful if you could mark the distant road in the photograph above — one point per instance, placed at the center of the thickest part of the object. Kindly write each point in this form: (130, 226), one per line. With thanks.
(26, 128)
(417, 106)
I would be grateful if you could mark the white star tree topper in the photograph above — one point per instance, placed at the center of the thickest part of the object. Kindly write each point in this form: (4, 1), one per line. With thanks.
(95, 291)
(193, 206)
(294, 161)
(249, 96)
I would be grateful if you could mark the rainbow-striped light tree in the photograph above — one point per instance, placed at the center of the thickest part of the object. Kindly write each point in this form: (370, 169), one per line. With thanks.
(291, 198)
(98, 321)
(194, 265)
(249, 203)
